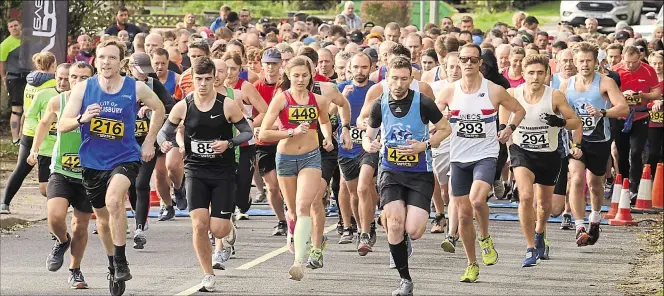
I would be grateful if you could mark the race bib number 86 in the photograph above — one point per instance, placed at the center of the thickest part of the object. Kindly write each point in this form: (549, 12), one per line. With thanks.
(301, 114)
(105, 128)
(588, 122)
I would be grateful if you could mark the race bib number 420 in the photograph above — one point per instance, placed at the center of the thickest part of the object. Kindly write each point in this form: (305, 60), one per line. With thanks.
(301, 114)
(141, 128)
(356, 135)
(109, 129)
(398, 159)
(71, 162)
(203, 149)
(471, 129)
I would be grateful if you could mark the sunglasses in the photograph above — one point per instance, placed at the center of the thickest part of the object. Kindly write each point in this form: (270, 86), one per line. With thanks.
(473, 60)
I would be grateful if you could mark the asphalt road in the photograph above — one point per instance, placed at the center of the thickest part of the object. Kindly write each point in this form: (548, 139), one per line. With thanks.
(168, 265)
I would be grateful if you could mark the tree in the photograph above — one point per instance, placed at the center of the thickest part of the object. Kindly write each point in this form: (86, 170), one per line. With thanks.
(383, 12)
(92, 16)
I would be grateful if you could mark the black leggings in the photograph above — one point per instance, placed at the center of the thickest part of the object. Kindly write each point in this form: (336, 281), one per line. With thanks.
(139, 192)
(245, 174)
(502, 160)
(22, 170)
(334, 185)
(655, 148)
(630, 151)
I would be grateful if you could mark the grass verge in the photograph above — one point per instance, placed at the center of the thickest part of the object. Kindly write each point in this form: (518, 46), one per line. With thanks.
(546, 12)
(646, 276)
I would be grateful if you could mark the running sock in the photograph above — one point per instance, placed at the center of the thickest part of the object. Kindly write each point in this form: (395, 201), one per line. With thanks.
(120, 252)
(578, 224)
(400, 256)
(110, 261)
(594, 217)
(302, 236)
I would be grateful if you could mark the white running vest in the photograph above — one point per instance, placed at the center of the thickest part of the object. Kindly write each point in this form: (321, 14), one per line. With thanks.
(533, 134)
(473, 120)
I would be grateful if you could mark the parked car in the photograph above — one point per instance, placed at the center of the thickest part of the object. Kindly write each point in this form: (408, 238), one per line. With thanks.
(647, 30)
(607, 13)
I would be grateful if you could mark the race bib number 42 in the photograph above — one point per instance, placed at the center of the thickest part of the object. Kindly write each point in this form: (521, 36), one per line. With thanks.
(301, 114)
(396, 158)
(471, 129)
(71, 162)
(356, 135)
(53, 129)
(109, 129)
(203, 149)
(141, 128)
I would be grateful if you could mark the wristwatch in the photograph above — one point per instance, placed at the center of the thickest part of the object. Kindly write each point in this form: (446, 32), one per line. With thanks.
(603, 111)
(231, 145)
(78, 119)
(346, 126)
(512, 126)
(575, 145)
(290, 132)
(428, 144)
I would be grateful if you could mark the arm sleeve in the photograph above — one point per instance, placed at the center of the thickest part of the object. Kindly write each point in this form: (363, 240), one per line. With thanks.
(167, 132)
(163, 95)
(429, 110)
(376, 116)
(245, 132)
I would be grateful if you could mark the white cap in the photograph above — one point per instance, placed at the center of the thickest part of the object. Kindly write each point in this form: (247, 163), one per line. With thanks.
(601, 55)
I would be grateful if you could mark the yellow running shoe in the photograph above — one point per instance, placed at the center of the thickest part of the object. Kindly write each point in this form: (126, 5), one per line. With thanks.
(471, 274)
(489, 254)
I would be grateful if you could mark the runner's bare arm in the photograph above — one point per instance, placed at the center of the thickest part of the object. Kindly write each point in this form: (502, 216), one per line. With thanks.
(150, 99)
(509, 102)
(561, 106)
(255, 99)
(442, 131)
(503, 113)
(168, 130)
(340, 101)
(267, 133)
(68, 121)
(426, 90)
(620, 108)
(372, 94)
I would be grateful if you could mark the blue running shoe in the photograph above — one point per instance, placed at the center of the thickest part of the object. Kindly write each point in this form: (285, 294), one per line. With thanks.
(540, 245)
(531, 258)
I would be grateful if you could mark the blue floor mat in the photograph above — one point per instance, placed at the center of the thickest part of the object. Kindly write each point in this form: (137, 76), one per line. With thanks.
(269, 212)
(509, 205)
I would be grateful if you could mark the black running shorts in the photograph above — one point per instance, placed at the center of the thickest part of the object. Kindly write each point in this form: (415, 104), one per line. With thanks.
(544, 165)
(61, 186)
(96, 181)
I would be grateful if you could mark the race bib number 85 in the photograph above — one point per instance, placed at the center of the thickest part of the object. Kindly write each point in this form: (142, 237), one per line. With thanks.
(105, 128)
(356, 135)
(396, 158)
(471, 129)
(202, 149)
(301, 114)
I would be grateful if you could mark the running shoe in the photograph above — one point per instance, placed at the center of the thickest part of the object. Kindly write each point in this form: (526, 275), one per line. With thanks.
(608, 188)
(166, 213)
(94, 229)
(240, 215)
(340, 226)
(76, 279)
(139, 239)
(315, 258)
(547, 247)
(280, 229)
(4, 209)
(438, 224)
(540, 246)
(56, 258)
(499, 189)
(489, 254)
(566, 222)
(581, 237)
(296, 272)
(122, 272)
(53, 236)
(207, 284)
(372, 235)
(347, 236)
(405, 288)
(449, 244)
(593, 233)
(471, 273)
(260, 197)
(180, 198)
(363, 244)
(218, 261)
(531, 258)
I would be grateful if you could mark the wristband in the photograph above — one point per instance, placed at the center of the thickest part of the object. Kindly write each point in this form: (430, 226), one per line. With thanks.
(231, 145)
(603, 111)
(78, 119)
(502, 127)
(290, 132)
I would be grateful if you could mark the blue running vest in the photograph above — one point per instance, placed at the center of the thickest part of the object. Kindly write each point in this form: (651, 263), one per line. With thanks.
(595, 129)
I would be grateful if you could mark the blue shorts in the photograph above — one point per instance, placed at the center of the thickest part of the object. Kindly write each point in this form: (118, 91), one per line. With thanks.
(291, 165)
(464, 174)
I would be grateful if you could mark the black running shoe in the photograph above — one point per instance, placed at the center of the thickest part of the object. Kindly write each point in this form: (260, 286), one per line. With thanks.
(340, 226)
(122, 273)
(281, 229)
(56, 258)
(180, 198)
(593, 233)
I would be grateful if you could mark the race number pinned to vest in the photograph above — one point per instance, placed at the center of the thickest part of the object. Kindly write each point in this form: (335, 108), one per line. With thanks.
(356, 135)
(71, 162)
(471, 129)
(633, 100)
(396, 158)
(534, 139)
(203, 149)
(141, 128)
(656, 117)
(53, 129)
(105, 128)
(302, 113)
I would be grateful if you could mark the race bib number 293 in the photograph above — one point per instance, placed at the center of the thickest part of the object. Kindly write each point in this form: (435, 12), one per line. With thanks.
(471, 129)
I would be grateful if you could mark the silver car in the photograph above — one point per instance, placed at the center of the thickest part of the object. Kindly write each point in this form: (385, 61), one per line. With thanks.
(607, 13)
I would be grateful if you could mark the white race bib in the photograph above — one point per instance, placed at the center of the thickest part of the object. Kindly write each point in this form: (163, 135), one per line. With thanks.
(588, 122)
(202, 148)
(534, 140)
(356, 135)
(471, 129)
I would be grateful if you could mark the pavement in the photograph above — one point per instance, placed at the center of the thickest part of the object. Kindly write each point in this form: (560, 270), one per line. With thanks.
(168, 265)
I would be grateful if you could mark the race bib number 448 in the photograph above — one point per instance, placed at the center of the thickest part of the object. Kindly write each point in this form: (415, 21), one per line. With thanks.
(301, 114)
(109, 129)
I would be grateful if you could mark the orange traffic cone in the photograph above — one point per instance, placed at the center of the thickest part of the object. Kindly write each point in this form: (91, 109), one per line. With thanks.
(154, 199)
(624, 215)
(615, 198)
(644, 196)
(658, 188)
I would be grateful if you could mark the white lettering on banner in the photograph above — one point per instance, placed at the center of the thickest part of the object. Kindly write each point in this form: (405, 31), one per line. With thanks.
(44, 26)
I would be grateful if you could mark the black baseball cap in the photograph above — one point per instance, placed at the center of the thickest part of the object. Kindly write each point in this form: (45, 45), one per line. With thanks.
(372, 53)
(622, 35)
(369, 24)
(357, 37)
(141, 61)
(264, 21)
(271, 55)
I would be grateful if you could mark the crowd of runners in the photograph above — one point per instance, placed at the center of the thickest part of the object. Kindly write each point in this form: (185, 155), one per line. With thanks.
(404, 120)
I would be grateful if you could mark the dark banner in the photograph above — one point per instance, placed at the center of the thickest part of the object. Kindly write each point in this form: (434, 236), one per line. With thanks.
(44, 29)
